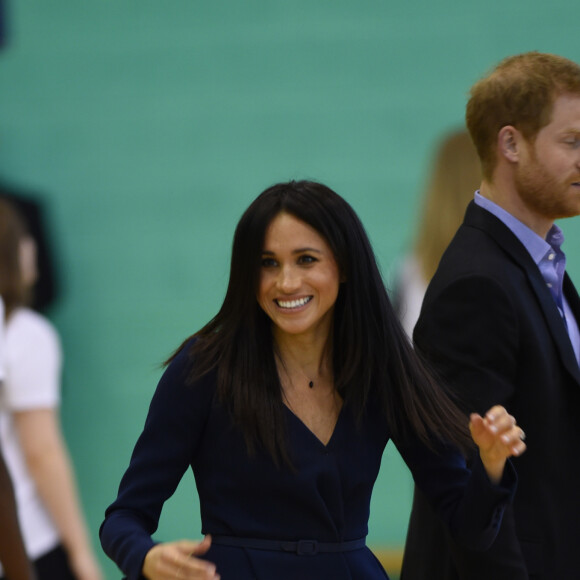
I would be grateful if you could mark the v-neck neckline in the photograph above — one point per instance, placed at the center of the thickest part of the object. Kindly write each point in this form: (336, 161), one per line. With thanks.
(311, 433)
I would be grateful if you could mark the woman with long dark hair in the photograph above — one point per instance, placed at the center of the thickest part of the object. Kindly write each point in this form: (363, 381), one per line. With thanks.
(282, 406)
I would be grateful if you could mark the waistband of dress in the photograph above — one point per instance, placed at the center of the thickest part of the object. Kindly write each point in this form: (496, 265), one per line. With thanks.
(299, 547)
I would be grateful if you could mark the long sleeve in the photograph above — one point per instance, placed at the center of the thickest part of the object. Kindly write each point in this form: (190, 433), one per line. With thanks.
(162, 454)
(465, 499)
(481, 367)
(470, 332)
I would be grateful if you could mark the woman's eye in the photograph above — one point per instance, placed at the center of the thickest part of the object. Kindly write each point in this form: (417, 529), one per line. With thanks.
(268, 262)
(306, 259)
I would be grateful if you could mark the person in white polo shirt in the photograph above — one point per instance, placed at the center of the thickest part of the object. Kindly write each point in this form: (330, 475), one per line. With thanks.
(49, 510)
(12, 552)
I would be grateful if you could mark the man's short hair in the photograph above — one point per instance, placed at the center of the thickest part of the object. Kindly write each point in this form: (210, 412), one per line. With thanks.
(520, 91)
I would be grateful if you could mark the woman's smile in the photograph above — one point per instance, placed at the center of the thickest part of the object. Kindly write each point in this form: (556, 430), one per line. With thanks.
(299, 278)
(293, 304)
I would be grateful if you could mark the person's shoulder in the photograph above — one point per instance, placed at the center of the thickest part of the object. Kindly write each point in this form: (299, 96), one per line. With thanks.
(25, 324)
(182, 357)
(182, 366)
(180, 386)
(27, 318)
(473, 251)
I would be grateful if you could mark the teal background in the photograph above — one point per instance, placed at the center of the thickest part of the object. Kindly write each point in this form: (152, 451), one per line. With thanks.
(149, 126)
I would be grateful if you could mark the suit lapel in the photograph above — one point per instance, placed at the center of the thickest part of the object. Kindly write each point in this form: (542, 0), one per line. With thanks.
(572, 296)
(482, 219)
(556, 324)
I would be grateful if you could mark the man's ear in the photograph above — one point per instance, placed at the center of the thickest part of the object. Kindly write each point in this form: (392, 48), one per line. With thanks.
(509, 142)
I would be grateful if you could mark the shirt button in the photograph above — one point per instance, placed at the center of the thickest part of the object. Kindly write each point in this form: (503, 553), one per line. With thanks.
(549, 285)
(551, 256)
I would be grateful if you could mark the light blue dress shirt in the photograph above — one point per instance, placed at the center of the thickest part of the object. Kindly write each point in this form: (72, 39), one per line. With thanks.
(548, 256)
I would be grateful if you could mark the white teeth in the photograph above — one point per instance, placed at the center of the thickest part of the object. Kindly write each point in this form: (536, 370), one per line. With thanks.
(293, 303)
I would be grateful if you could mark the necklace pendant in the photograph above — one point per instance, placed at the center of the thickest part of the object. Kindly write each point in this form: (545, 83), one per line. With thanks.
(311, 384)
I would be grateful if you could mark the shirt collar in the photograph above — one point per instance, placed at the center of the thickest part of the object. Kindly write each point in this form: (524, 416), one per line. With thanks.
(536, 246)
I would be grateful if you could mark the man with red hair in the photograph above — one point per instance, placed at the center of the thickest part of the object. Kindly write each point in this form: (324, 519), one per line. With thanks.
(500, 319)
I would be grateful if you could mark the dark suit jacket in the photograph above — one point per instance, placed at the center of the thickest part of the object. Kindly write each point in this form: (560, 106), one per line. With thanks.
(490, 326)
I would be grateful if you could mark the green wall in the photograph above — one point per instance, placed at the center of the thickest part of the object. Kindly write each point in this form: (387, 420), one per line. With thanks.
(149, 126)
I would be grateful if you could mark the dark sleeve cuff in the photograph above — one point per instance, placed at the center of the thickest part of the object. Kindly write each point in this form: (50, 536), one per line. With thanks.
(126, 545)
(481, 513)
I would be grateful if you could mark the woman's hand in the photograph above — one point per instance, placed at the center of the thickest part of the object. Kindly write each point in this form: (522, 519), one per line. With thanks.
(498, 437)
(176, 560)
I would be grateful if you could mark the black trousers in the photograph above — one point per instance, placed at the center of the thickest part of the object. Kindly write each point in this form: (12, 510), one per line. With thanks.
(52, 566)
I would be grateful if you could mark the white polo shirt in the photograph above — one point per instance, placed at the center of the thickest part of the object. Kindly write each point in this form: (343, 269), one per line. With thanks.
(32, 368)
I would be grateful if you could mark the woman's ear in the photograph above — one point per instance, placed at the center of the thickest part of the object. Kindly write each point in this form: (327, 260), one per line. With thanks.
(28, 262)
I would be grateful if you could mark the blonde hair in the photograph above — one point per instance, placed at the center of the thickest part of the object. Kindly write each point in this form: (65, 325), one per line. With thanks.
(455, 175)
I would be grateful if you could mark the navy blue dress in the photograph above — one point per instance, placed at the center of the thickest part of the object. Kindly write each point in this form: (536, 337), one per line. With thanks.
(324, 499)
